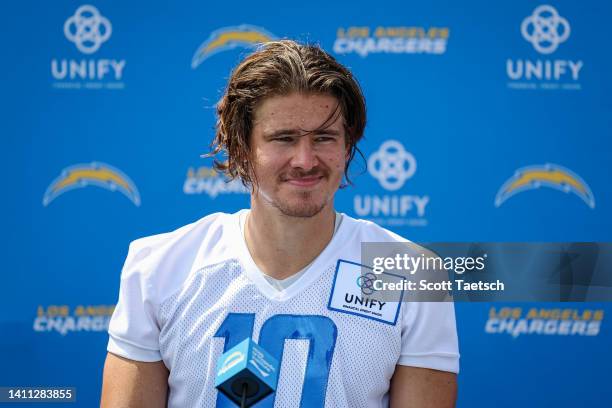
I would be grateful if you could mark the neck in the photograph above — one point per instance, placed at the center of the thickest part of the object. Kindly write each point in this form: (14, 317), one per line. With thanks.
(281, 245)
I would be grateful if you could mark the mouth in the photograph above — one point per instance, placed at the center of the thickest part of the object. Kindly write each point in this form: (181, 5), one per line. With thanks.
(304, 181)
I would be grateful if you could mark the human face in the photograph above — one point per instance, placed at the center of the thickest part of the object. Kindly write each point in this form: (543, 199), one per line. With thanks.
(298, 165)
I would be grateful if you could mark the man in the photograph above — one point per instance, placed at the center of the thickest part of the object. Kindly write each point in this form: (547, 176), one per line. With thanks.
(289, 123)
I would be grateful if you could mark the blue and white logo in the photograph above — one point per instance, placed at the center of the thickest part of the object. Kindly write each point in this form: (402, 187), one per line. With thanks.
(390, 205)
(392, 165)
(366, 283)
(545, 29)
(87, 29)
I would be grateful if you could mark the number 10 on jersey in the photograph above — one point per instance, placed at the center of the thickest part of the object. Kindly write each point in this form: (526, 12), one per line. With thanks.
(320, 331)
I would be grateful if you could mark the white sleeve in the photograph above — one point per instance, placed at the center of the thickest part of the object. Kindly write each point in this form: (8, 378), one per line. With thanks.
(429, 336)
(134, 329)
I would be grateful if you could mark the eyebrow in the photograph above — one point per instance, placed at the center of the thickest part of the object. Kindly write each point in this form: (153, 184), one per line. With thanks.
(298, 132)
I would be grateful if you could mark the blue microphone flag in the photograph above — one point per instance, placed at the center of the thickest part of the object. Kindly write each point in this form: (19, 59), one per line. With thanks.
(246, 368)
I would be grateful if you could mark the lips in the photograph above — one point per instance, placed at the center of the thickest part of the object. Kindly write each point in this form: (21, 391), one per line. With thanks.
(304, 181)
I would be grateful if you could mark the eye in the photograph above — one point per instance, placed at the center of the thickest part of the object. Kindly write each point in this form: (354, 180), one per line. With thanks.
(324, 139)
(283, 139)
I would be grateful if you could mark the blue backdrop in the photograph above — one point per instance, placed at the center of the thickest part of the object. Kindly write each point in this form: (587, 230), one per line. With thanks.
(488, 121)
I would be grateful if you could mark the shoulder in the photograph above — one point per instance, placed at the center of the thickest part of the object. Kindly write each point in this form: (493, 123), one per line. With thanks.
(368, 231)
(182, 239)
(162, 262)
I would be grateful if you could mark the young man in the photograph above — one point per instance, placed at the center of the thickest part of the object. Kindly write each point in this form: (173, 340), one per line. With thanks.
(289, 123)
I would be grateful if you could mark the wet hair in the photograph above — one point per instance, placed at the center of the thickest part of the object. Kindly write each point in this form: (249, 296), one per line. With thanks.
(281, 68)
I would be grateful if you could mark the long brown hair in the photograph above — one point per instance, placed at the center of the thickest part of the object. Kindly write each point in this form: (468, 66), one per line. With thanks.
(280, 68)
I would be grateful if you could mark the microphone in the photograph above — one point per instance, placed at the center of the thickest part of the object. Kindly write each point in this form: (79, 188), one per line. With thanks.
(246, 373)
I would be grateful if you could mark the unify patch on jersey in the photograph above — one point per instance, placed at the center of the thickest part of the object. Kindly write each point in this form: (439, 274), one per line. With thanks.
(354, 292)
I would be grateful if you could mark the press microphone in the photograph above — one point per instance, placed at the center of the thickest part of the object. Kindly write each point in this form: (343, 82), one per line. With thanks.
(246, 373)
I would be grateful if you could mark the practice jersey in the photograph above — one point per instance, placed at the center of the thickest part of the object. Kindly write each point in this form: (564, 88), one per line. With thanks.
(191, 294)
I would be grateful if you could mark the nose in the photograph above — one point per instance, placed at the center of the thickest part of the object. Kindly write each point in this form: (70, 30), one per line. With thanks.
(304, 154)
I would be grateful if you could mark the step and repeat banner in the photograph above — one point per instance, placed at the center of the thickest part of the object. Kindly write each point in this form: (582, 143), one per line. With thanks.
(487, 122)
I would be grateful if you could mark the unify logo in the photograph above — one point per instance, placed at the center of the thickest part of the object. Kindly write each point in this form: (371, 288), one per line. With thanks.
(366, 283)
(352, 293)
(545, 29)
(391, 165)
(87, 29)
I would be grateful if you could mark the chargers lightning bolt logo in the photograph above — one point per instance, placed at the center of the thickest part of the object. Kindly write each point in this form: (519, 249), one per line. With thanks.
(227, 38)
(547, 175)
(92, 174)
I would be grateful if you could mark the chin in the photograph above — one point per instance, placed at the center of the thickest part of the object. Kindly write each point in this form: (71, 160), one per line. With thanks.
(304, 209)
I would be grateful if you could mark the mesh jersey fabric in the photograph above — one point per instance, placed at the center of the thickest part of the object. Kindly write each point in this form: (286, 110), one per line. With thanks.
(178, 290)
(281, 284)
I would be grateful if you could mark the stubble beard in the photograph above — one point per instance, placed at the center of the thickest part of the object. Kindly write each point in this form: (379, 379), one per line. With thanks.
(299, 204)
(304, 208)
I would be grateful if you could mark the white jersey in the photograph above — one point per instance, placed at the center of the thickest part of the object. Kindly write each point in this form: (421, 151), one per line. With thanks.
(188, 295)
